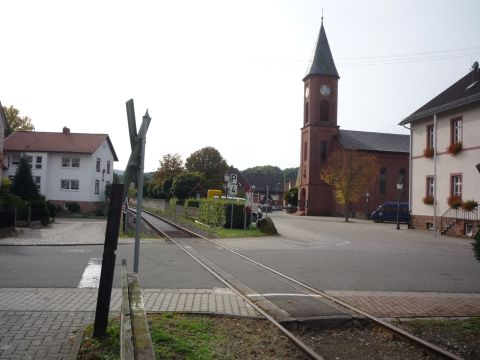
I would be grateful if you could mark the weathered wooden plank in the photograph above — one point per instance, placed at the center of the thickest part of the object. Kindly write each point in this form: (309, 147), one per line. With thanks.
(142, 341)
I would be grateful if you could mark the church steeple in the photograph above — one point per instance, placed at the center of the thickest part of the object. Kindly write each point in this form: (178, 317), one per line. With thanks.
(322, 63)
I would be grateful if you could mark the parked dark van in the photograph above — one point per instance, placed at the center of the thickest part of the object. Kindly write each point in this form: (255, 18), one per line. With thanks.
(388, 212)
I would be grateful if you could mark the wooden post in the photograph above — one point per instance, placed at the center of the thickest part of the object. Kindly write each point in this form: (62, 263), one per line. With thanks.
(108, 262)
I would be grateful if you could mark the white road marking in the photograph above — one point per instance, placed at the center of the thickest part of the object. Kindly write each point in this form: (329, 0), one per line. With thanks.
(91, 275)
(280, 294)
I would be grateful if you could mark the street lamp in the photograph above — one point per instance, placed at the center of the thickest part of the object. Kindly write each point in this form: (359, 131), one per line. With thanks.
(367, 196)
(399, 188)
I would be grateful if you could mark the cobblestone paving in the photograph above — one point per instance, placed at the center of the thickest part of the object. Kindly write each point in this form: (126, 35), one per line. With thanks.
(41, 323)
(412, 304)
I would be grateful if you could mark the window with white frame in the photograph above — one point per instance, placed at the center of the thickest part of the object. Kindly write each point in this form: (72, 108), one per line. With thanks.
(97, 186)
(457, 131)
(37, 180)
(67, 184)
(108, 166)
(29, 160)
(97, 166)
(430, 186)
(430, 139)
(69, 162)
(15, 159)
(38, 162)
(457, 185)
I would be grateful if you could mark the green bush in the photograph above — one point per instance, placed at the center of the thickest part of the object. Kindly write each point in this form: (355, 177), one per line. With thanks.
(52, 210)
(212, 212)
(291, 196)
(10, 201)
(238, 215)
(73, 207)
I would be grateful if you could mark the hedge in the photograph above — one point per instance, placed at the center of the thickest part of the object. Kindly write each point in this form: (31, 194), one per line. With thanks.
(217, 213)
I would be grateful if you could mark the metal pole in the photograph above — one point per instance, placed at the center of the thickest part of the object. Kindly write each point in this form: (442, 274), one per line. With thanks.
(138, 224)
(398, 207)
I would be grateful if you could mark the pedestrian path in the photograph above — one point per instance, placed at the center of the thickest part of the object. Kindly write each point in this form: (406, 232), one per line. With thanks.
(41, 323)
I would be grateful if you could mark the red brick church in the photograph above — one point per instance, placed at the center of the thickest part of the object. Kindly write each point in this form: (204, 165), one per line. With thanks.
(321, 135)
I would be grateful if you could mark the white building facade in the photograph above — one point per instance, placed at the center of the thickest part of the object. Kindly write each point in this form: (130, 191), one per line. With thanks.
(66, 167)
(445, 151)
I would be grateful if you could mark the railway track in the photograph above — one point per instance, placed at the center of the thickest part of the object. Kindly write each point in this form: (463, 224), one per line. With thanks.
(175, 233)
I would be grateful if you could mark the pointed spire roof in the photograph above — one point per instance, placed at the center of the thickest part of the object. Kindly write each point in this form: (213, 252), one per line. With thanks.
(322, 63)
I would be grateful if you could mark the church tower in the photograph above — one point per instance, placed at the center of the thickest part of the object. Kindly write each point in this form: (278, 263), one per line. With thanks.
(319, 129)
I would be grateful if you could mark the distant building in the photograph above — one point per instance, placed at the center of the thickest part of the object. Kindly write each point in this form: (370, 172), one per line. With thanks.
(321, 136)
(448, 123)
(66, 167)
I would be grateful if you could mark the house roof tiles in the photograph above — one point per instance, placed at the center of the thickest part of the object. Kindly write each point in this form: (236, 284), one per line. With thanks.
(64, 142)
(464, 91)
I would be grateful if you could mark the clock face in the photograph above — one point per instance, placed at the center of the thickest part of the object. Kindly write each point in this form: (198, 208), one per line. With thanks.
(325, 90)
(307, 92)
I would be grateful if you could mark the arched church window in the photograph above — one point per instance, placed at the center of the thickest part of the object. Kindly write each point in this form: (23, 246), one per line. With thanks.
(306, 113)
(305, 151)
(323, 151)
(383, 180)
(324, 110)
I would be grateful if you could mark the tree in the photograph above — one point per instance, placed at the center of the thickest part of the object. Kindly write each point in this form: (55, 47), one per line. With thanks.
(291, 197)
(210, 164)
(170, 166)
(291, 174)
(184, 184)
(350, 173)
(15, 122)
(265, 169)
(23, 185)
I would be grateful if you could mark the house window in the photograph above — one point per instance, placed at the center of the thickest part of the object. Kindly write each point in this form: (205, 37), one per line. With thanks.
(71, 162)
(30, 161)
(430, 143)
(75, 162)
(15, 159)
(324, 110)
(456, 185)
(306, 113)
(108, 167)
(69, 184)
(38, 162)
(37, 180)
(97, 167)
(323, 151)
(97, 186)
(382, 180)
(456, 131)
(430, 186)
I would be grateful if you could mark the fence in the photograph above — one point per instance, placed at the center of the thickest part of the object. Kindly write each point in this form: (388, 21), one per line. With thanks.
(7, 219)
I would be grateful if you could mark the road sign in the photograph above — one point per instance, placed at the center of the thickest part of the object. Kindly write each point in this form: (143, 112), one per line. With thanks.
(232, 189)
(233, 178)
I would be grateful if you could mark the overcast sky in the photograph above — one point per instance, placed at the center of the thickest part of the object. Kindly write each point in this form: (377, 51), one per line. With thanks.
(226, 74)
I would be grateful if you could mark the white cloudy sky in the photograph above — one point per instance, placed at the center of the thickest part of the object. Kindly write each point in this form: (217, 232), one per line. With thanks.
(226, 74)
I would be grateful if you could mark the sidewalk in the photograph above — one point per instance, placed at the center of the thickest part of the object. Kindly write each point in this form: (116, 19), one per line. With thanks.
(41, 323)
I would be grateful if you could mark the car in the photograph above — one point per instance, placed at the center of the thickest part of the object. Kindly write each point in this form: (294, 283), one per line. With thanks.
(388, 212)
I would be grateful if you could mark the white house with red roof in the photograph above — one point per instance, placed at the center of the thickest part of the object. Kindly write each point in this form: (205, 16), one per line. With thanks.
(444, 158)
(66, 167)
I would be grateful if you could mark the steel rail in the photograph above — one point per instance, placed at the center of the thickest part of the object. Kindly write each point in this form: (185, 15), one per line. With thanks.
(432, 347)
(304, 347)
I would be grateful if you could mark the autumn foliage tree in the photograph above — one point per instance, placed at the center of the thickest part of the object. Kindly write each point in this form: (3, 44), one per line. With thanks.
(350, 173)
(15, 122)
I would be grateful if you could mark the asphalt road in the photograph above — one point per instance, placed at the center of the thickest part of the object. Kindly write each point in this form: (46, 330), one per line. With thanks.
(324, 252)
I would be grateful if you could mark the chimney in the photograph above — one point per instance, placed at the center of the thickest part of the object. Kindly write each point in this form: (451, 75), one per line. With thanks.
(66, 130)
